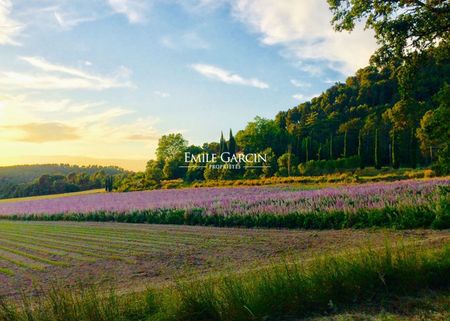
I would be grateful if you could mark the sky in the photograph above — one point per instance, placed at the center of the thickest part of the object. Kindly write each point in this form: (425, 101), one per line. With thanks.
(99, 81)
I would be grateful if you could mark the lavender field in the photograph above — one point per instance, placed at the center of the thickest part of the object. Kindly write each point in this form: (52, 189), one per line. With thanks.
(241, 200)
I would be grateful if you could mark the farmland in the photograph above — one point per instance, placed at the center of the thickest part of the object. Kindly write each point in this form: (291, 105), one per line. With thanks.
(38, 254)
(58, 248)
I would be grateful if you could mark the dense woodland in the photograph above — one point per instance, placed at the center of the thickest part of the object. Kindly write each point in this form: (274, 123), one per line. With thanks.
(31, 180)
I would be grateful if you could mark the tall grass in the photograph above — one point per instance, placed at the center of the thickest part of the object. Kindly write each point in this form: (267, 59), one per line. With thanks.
(323, 286)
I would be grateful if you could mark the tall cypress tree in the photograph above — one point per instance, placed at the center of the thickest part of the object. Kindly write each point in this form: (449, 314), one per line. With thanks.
(231, 144)
(223, 144)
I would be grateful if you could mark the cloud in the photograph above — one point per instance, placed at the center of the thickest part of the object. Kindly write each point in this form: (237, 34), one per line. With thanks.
(68, 21)
(43, 132)
(227, 77)
(9, 28)
(303, 30)
(298, 96)
(57, 76)
(161, 94)
(303, 98)
(134, 10)
(48, 106)
(30, 119)
(188, 40)
(300, 84)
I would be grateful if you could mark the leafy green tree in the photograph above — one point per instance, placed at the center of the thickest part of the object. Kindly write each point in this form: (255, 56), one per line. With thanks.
(210, 172)
(153, 171)
(260, 134)
(400, 26)
(174, 168)
(170, 146)
(287, 165)
(195, 172)
(351, 125)
(270, 167)
(211, 148)
(434, 131)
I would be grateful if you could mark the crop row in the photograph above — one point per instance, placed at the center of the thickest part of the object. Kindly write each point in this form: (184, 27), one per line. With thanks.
(37, 245)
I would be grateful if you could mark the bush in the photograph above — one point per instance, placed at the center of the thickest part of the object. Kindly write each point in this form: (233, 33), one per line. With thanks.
(323, 167)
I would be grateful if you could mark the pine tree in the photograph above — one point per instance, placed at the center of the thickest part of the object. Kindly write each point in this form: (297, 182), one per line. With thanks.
(232, 144)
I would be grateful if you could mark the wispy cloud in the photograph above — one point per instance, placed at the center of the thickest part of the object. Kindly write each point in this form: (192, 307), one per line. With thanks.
(303, 29)
(300, 84)
(44, 132)
(227, 77)
(9, 28)
(34, 120)
(58, 76)
(187, 40)
(48, 106)
(68, 21)
(161, 94)
(134, 10)
(303, 98)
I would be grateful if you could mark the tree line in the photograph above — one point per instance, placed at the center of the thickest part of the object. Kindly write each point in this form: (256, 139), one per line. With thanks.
(32, 180)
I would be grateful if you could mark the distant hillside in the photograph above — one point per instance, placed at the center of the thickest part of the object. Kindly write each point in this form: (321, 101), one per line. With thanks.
(32, 180)
(26, 173)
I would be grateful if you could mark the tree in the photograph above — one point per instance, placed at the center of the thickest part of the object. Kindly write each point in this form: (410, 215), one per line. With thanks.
(434, 131)
(211, 148)
(287, 165)
(232, 144)
(351, 125)
(260, 134)
(223, 144)
(401, 26)
(170, 146)
(153, 171)
(270, 167)
(211, 172)
(377, 150)
(195, 171)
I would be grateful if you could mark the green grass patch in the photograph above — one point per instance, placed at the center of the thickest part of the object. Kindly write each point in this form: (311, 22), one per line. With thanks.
(6, 271)
(21, 264)
(33, 257)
